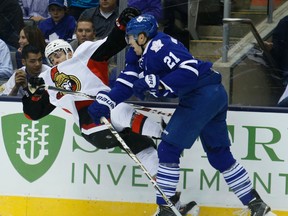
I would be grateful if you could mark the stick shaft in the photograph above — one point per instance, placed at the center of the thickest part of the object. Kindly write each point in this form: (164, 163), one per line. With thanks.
(66, 91)
(137, 107)
(151, 110)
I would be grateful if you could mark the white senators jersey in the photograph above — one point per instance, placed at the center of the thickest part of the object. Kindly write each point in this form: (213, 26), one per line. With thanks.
(79, 73)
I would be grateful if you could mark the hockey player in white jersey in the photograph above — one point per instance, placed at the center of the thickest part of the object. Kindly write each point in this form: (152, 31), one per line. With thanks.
(85, 71)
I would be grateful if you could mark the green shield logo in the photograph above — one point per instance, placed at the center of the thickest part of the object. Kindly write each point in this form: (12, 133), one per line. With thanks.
(32, 146)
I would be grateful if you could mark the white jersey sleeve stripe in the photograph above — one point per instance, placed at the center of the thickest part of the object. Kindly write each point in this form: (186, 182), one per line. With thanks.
(193, 61)
(130, 73)
(190, 68)
(166, 86)
(185, 65)
(125, 82)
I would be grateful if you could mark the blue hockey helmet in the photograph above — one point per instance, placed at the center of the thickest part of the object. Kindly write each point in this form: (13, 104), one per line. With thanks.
(144, 23)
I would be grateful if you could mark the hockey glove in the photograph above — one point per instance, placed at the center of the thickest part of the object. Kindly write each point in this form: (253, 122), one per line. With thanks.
(126, 15)
(36, 87)
(101, 107)
(148, 83)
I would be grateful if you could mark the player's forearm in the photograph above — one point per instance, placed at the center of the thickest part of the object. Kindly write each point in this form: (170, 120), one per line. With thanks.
(114, 43)
(120, 92)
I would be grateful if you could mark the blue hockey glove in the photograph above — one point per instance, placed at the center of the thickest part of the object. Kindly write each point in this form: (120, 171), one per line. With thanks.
(101, 107)
(148, 83)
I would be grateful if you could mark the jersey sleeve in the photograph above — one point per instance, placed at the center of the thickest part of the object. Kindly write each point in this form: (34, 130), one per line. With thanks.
(123, 88)
(111, 45)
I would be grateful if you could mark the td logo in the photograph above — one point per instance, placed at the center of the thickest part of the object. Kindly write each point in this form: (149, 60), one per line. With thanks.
(32, 146)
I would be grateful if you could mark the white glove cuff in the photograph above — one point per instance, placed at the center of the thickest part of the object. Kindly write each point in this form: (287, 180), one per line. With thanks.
(151, 80)
(105, 100)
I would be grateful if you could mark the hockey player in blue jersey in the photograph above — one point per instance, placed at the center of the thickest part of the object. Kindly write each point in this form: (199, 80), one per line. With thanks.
(159, 64)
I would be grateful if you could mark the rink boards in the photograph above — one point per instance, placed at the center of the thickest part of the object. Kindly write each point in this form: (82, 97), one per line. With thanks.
(47, 168)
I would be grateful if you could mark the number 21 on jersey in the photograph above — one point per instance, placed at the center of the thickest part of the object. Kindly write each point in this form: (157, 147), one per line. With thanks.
(171, 60)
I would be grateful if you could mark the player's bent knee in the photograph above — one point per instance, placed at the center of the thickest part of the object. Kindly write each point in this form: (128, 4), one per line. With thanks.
(137, 142)
(220, 158)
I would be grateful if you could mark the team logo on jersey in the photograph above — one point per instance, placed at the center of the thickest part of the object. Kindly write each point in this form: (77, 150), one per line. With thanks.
(62, 80)
(156, 45)
(32, 146)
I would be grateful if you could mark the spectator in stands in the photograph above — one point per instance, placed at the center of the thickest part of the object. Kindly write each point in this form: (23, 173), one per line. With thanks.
(11, 22)
(153, 7)
(34, 9)
(6, 69)
(103, 16)
(32, 61)
(76, 7)
(30, 35)
(85, 31)
(60, 25)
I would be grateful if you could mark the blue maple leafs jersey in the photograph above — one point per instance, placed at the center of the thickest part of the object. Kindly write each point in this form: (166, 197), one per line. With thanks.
(166, 57)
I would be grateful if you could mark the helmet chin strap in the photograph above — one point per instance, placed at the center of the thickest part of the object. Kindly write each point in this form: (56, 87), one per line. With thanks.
(66, 53)
(67, 56)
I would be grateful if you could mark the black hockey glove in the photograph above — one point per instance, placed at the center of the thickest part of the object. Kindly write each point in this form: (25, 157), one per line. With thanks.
(36, 87)
(126, 15)
(36, 82)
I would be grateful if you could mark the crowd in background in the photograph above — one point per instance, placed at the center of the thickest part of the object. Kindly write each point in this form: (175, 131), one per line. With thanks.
(38, 22)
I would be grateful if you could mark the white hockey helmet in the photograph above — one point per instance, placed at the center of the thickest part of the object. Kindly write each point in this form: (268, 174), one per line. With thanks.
(57, 45)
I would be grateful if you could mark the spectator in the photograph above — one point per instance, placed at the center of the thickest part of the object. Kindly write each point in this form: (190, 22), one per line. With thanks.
(32, 61)
(30, 35)
(85, 31)
(36, 10)
(153, 7)
(103, 16)
(6, 69)
(60, 25)
(76, 7)
(11, 22)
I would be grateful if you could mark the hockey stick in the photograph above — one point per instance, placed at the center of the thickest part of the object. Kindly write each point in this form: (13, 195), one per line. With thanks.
(137, 107)
(66, 91)
(138, 162)
(152, 111)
